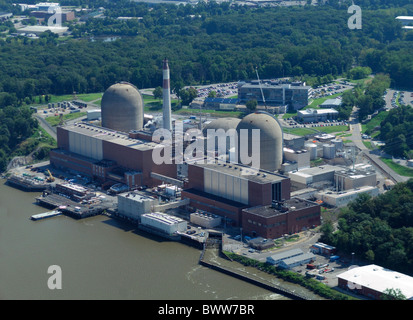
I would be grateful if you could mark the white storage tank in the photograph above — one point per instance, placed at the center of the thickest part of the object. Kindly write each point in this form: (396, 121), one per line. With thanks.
(338, 143)
(312, 149)
(329, 151)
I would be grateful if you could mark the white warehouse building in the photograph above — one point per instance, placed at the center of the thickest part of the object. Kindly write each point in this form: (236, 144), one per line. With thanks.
(164, 223)
(132, 205)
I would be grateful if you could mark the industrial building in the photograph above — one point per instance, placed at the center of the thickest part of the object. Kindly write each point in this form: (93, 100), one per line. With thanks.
(331, 103)
(276, 93)
(343, 198)
(132, 205)
(372, 281)
(107, 156)
(352, 178)
(163, 223)
(316, 115)
(205, 219)
(316, 176)
(225, 189)
(283, 217)
(291, 258)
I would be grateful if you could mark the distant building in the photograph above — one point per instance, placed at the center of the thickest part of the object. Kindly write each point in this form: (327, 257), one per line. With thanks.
(317, 115)
(331, 104)
(372, 281)
(221, 103)
(5, 16)
(45, 15)
(406, 21)
(276, 93)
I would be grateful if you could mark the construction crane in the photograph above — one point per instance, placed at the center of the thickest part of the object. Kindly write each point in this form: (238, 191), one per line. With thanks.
(50, 178)
(262, 93)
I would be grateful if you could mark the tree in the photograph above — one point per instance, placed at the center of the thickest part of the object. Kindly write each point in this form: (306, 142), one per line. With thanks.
(393, 294)
(158, 93)
(251, 104)
(188, 95)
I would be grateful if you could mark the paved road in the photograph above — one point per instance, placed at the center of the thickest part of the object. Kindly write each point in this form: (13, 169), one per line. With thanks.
(374, 156)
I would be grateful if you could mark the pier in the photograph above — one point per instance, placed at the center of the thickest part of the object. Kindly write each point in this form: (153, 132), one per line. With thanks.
(45, 215)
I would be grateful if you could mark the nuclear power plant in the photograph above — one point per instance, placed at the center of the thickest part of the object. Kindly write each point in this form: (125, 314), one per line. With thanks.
(120, 152)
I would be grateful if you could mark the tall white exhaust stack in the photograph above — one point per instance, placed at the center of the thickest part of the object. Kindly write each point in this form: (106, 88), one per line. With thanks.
(167, 121)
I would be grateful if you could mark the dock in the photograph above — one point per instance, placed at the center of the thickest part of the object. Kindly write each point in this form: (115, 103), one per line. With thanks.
(45, 215)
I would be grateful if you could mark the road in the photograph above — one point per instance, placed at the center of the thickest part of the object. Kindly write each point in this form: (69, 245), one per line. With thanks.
(373, 156)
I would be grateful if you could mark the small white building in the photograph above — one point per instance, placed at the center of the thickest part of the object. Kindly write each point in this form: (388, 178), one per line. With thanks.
(297, 260)
(132, 205)
(372, 281)
(205, 219)
(164, 222)
(343, 198)
(277, 258)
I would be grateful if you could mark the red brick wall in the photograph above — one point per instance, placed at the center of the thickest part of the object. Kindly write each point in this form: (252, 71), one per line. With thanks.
(62, 138)
(213, 206)
(276, 226)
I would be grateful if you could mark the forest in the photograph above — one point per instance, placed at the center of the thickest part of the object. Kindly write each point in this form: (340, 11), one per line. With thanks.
(378, 230)
(397, 132)
(204, 43)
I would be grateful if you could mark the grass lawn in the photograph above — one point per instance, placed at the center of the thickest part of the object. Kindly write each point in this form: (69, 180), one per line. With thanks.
(374, 122)
(55, 120)
(331, 129)
(316, 102)
(299, 131)
(212, 113)
(87, 97)
(401, 170)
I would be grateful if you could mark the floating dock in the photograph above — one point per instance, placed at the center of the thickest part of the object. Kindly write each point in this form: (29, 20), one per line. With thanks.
(45, 215)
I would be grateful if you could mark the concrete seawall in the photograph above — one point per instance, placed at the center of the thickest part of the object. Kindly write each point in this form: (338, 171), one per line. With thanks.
(267, 286)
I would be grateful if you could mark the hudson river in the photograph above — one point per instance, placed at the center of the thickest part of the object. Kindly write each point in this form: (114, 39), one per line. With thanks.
(100, 258)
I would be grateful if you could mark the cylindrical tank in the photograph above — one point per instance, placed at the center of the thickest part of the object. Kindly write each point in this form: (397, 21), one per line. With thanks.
(312, 149)
(270, 144)
(338, 143)
(122, 108)
(329, 151)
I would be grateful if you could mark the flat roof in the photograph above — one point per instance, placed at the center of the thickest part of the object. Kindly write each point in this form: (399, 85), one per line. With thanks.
(316, 170)
(40, 29)
(242, 171)
(163, 218)
(287, 254)
(311, 111)
(379, 279)
(405, 18)
(336, 102)
(113, 136)
(285, 207)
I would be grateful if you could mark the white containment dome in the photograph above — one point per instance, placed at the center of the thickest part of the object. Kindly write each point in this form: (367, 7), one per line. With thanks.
(122, 108)
(270, 143)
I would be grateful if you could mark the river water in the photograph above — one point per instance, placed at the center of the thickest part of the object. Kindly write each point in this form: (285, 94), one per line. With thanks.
(101, 258)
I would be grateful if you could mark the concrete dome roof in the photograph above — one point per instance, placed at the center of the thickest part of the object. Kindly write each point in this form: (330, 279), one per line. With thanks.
(271, 139)
(122, 108)
(221, 123)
